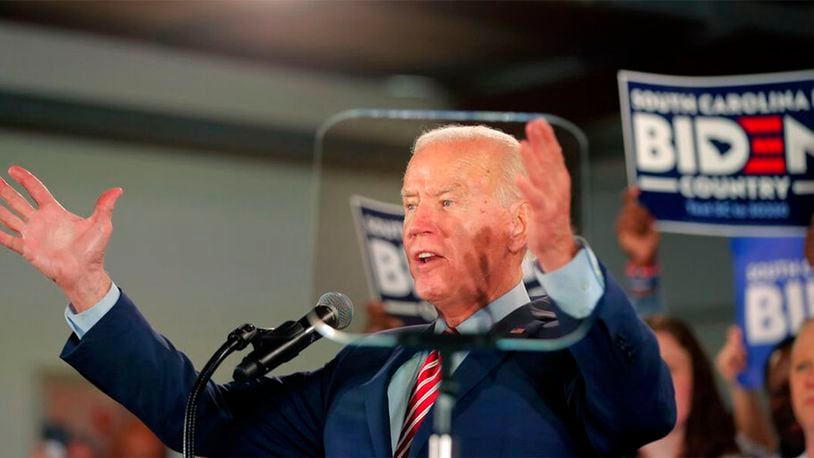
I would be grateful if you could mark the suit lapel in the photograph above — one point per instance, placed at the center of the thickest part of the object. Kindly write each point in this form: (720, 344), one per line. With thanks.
(378, 413)
(376, 403)
(469, 374)
(526, 321)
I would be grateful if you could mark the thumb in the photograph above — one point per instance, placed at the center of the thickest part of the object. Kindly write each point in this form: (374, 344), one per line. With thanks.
(105, 204)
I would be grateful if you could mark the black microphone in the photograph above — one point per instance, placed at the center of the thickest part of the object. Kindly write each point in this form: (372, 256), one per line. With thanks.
(279, 345)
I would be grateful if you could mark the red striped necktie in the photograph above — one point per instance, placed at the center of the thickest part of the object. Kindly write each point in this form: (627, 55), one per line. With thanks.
(423, 397)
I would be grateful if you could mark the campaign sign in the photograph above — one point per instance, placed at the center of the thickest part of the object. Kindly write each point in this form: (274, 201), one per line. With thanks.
(379, 226)
(726, 156)
(774, 287)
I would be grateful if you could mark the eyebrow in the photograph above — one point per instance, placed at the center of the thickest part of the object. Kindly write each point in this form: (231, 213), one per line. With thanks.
(451, 188)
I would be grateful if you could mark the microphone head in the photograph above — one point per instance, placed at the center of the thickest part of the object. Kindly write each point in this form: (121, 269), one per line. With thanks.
(341, 306)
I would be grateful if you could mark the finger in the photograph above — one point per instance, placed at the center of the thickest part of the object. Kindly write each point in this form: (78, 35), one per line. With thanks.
(630, 196)
(544, 151)
(106, 203)
(532, 130)
(543, 175)
(533, 165)
(540, 132)
(10, 220)
(532, 194)
(15, 244)
(736, 333)
(739, 361)
(14, 200)
(544, 137)
(32, 184)
(733, 334)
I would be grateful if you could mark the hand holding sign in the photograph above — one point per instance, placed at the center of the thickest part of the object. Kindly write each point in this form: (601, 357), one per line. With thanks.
(636, 230)
(66, 248)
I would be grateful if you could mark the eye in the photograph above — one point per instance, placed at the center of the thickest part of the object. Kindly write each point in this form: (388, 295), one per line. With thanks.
(446, 203)
(409, 206)
(802, 366)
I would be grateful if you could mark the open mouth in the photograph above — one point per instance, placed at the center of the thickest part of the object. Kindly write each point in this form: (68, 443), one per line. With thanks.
(426, 257)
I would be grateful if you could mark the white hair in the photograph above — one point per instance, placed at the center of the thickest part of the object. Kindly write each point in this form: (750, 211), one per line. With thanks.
(507, 191)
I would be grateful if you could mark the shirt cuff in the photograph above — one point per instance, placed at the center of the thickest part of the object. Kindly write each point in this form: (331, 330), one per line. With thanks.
(577, 286)
(80, 323)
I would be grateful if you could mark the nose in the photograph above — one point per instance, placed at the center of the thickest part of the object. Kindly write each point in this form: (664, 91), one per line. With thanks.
(419, 221)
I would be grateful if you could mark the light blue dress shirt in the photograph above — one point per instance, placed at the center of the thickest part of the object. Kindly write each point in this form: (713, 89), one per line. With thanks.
(575, 288)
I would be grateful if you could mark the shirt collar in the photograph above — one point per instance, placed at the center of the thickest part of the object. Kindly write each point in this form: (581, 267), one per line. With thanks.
(483, 320)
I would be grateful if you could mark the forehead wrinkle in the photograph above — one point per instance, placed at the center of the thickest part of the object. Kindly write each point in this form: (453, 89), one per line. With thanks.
(432, 193)
(474, 160)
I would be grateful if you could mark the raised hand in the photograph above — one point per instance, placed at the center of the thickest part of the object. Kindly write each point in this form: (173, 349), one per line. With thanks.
(636, 231)
(66, 248)
(731, 360)
(547, 189)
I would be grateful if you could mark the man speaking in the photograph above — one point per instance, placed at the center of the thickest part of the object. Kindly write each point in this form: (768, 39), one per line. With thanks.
(475, 200)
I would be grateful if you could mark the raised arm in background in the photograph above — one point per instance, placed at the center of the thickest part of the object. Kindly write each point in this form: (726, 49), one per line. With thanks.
(751, 421)
(639, 240)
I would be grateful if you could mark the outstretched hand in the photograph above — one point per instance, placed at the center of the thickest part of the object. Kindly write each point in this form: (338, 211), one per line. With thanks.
(636, 230)
(66, 248)
(547, 189)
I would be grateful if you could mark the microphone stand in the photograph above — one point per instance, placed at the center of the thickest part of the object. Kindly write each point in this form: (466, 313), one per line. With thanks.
(262, 340)
(238, 339)
(441, 444)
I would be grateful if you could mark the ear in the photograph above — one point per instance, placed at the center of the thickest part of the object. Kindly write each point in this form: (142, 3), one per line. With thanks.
(519, 213)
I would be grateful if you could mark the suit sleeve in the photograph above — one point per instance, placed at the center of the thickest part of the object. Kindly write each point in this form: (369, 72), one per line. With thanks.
(623, 393)
(126, 359)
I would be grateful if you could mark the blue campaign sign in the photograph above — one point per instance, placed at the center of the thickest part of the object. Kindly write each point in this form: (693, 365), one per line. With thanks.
(774, 287)
(378, 225)
(729, 156)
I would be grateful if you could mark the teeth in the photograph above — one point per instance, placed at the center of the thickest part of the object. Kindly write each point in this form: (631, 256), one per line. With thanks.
(425, 255)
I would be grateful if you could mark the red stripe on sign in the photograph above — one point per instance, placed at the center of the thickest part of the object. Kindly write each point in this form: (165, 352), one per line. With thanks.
(768, 145)
(761, 124)
(765, 166)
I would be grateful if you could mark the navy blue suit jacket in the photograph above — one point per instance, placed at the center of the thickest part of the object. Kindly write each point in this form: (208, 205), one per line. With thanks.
(608, 394)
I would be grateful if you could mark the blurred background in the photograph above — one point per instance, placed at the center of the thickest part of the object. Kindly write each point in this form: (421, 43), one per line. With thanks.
(206, 113)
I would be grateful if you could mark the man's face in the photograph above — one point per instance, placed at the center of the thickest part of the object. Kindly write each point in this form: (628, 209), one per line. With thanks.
(801, 377)
(457, 236)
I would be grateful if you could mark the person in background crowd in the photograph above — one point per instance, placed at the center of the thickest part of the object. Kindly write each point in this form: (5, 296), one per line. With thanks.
(135, 440)
(756, 436)
(693, 380)
(377, 319)
(801, 380)
(703, 426)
